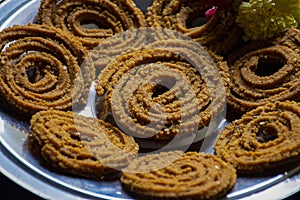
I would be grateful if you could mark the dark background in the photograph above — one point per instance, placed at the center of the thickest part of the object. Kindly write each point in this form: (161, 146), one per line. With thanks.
(12, 191)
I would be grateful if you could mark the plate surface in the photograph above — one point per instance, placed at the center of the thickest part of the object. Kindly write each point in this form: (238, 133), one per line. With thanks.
(22, 166)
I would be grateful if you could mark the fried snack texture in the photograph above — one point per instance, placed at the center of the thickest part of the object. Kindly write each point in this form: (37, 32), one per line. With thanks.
(264, 138)
(178, 175)
(127, 41)
(265, 75)
(220, 32)
(155, 93)
(82, 146)
(91, 21)
(41, 68)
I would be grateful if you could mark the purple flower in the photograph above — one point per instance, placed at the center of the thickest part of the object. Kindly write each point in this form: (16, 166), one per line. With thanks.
(210, 12)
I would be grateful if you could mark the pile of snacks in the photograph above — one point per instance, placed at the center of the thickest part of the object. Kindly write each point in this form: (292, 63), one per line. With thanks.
(149, 84)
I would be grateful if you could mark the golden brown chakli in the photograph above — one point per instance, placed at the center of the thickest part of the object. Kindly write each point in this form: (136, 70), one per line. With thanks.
(82, 146)
(156, 93)
(264, 138)
(178, 175)
(127, 41)
(91, 20)
(41, 68)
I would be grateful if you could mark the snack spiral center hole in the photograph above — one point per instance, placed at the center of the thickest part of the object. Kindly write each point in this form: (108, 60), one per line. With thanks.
(90, 24)
(33, 75)
(268, 66)
(266, 133)
(159, 90)
(196, 20)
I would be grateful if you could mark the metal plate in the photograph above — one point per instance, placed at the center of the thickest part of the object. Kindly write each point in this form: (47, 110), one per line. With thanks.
(22, 166)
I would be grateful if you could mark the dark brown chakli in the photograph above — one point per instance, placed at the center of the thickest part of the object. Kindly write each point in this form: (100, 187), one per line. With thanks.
(178, 175)
(220, 33)
(264, 138)
(82, 146)
(42, 67)
(290, 38)
(91, 21)
(265, 75)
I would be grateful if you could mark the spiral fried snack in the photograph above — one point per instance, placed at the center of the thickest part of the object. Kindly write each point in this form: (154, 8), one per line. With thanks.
(220, 32)
(263, 138)
(80, 145)
(156, 93)
(127, 41)
(291, 39)
(42, 68)
(265, 75)
(190, 175)
(91, 20)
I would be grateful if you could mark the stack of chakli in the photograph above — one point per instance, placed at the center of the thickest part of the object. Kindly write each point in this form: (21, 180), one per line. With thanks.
(164, 73)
